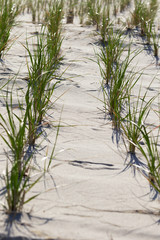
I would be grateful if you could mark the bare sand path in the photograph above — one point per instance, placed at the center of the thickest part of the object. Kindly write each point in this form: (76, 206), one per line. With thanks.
(93, 198)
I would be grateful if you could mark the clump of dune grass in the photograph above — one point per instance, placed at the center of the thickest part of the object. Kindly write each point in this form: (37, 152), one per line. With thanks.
(144, 16)
(32, 120)
(18, 132)
(137, 112)
(33, 7)
(82, 11)
(110, 54)
(152, 155)
(70, 11)
(115, 8)
(94, 9)
(42, 69)
(16, 176)
(16, 138)
(9, 9)
(17, 187)
(41, 85)
(117, 91)
(37, 9)
(105, 24)
(155, 42)
(117, 83)
(124, 4)
(53, 25)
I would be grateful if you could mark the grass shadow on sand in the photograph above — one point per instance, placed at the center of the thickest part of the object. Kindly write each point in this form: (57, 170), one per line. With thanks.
(23, 222)
(135, 164)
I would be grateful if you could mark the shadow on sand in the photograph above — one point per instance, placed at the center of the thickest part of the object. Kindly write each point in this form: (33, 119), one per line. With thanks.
(135, 164)
(23, 224)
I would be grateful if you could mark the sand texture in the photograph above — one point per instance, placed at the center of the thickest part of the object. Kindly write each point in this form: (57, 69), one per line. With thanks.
(89, 193)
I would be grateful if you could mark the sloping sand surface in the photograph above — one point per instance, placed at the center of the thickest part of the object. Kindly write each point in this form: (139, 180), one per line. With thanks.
(88, 194)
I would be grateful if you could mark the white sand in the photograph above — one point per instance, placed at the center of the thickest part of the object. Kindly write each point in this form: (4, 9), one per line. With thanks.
(94, 198)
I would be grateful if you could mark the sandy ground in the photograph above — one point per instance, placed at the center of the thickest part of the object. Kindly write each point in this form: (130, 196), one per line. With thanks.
(89, 193)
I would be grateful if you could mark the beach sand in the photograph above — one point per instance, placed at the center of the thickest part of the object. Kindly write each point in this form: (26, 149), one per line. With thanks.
(89, 193)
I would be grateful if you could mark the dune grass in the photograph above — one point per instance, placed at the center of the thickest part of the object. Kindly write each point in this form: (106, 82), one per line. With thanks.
(16, 137)
(124, 4)
(71, 4)
(137, 112)
(105, 24)
(117, 92)
(82, 11)
(155, 42)
(94, 12)
(41, 85)
(53, 25)
(152, 156)
(144, 16)
(110, 54)
(37, 8)
(9, 9)
(16, 177)
(19, 132)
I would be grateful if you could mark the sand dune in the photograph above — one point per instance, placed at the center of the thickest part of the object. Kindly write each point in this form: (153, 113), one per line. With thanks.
(90, 192)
